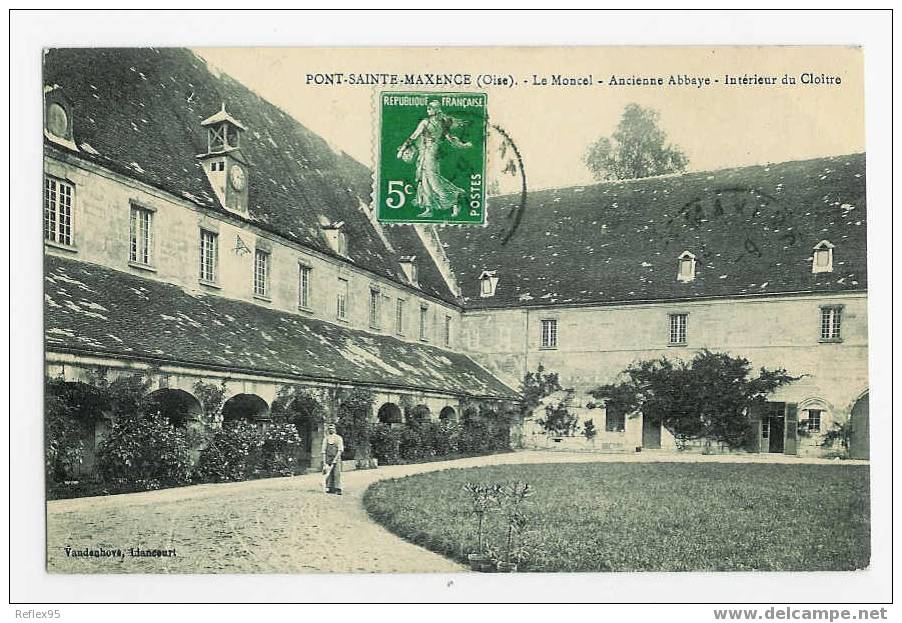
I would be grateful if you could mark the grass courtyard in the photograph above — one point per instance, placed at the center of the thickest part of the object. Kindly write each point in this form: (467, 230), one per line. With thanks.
(648, 516)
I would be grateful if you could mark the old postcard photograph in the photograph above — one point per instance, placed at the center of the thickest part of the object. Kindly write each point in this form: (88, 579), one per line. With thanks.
(513, 310)
(354, 307)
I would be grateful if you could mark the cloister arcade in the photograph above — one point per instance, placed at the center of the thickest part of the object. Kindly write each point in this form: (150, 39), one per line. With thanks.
(177, 393)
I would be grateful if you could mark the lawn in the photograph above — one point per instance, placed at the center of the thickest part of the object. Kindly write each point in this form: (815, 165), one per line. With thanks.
(649, 517)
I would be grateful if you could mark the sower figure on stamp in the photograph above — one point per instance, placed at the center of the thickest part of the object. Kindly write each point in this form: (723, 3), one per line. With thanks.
(434, 192)
(333, 446)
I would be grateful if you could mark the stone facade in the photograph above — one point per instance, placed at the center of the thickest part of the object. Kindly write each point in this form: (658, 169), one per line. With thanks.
(596, 343)
(102, 209)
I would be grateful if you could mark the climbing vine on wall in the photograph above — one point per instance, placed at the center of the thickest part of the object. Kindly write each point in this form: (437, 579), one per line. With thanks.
(355, 407)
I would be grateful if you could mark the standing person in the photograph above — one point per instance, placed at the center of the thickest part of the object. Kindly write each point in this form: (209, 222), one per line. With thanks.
(333, 446)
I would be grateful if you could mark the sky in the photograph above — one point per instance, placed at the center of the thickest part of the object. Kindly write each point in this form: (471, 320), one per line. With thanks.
(717, 126)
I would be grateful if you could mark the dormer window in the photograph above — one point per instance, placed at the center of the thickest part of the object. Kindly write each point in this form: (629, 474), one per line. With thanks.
(337, 237)
(58, 118)
(409, 266)
(823, 257)
(488, 282)
(686, 269)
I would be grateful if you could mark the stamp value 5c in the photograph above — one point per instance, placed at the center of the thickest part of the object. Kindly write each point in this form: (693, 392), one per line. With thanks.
(431, 166)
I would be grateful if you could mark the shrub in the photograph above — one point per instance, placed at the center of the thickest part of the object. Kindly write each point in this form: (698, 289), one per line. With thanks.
(279, 450)
(443, 438)
(64, 448)
(146, 451)
(499, 422)
(385, 442)
(410, 446)
(589, 430)
(230, 453)
(473, 431)
(416, 416)
(842, 433)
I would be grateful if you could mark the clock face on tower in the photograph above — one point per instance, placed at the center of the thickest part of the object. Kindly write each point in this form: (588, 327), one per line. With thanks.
(237, 177)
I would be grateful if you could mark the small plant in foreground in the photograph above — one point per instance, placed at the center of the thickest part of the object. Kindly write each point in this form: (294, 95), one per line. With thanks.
(514, 496)
(483, 498)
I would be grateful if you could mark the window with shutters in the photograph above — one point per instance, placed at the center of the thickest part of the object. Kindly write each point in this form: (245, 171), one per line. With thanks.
(58, 204)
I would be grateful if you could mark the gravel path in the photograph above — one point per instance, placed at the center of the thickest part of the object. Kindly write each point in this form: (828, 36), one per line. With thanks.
(279, 525)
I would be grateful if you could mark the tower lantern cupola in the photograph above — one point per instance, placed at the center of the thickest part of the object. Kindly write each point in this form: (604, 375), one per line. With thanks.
(224, 164)
(223, 131)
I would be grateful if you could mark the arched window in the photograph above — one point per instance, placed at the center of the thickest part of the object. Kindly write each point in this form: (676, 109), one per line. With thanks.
(249, 407)
(389, 413)
(447, 414)
(176, 405)
(814, 416)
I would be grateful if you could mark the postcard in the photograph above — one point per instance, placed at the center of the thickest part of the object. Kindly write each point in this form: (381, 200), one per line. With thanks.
(455, 310)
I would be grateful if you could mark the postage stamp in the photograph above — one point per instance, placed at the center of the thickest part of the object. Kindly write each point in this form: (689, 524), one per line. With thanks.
(432, 152)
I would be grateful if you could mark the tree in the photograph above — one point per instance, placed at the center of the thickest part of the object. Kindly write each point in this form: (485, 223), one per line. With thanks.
(536, 386)
(637, 148)
(709, 397)
(559, 421)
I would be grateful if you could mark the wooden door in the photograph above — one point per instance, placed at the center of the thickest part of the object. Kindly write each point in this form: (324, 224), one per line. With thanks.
(651, 434)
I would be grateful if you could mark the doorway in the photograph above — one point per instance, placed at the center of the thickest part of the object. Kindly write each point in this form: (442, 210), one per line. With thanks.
(651, 434)
(775, 431)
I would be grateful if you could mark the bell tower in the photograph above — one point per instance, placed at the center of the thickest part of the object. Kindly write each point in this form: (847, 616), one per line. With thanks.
(225, 166)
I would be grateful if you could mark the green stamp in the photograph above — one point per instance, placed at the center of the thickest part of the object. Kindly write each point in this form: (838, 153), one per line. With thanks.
(431, 165)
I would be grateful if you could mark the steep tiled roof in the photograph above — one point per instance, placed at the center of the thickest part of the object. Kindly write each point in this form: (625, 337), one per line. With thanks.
(94, 309)
(139, 112)
(751, 229)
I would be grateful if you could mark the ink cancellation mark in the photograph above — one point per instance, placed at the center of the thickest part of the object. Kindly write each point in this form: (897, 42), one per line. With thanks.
(432, 155)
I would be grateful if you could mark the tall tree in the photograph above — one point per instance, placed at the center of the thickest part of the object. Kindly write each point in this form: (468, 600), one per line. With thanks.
(637, 148)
